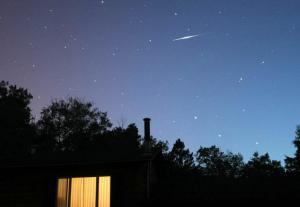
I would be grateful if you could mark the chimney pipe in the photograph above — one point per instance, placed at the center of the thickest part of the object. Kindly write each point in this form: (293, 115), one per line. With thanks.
(147, 129)
(147, 135)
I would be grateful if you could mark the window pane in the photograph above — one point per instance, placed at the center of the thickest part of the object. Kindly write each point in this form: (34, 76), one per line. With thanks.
(83, 192)
(104, 191)
(62, 192)
(89, 192)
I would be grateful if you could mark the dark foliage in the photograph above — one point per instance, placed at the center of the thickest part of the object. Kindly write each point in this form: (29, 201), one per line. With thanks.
(213, 162)
(76, 126)
(160, 146)
(70, 125)
(262, 166)
(17, 130)
(292, 164)
(180, 157)
(121, 140)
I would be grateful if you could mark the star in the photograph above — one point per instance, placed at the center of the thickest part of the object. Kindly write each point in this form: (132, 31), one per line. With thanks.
(241, 79)
(72, 37)
(102, 1)
(195, 117)
(220, 135)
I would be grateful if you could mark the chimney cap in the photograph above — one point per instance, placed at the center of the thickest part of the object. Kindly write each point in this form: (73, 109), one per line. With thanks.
(147, 119)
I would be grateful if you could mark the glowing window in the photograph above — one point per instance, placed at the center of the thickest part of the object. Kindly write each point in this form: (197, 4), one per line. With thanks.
(83, 192)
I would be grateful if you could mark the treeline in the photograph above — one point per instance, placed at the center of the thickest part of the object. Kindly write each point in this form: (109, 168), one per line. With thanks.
(74, 126)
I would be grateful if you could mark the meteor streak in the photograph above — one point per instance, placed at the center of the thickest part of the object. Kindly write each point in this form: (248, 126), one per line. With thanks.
(185, 37)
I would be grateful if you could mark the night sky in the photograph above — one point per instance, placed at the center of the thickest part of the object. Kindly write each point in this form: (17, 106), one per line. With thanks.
(211, 72)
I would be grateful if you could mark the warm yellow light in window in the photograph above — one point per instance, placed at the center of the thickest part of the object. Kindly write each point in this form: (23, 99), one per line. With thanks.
(104, 191)
(62, 192)
(83, 192)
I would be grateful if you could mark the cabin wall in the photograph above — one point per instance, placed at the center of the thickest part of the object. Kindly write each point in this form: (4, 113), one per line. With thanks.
(26, 190)
(36, 187)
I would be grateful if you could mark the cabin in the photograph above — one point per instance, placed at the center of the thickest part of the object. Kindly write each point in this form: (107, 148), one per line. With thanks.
(117, 179)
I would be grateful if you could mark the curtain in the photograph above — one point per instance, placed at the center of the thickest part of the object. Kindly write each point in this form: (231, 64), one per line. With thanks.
(83, 192)
(62, 192)
(104, 191)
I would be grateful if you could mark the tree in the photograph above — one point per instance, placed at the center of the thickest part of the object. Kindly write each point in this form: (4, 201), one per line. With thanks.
(16, 128)
(292, 164)
(160, 146)
(262, 166)
(70, 125)
(213, 162)
(235, 164)
(119, 139)
(181, 157)
(132, 134)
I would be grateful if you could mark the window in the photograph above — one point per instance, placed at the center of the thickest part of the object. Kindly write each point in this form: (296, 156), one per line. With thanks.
(83, 192)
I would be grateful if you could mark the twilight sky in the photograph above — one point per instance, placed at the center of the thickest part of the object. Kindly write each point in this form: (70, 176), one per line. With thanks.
(207, 71)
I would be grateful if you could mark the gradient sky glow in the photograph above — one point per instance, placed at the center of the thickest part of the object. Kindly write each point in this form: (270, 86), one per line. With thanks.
(235, 85)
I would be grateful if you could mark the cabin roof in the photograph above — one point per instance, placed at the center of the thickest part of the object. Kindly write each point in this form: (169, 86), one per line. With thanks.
(76, 159)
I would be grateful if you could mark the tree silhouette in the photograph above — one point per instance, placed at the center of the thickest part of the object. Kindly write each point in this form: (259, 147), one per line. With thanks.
(262, 166)
(159, 146)
(119, 139)
(292, 164)
(213, 162)
(181, 157)
(17, 130)
(70, 125)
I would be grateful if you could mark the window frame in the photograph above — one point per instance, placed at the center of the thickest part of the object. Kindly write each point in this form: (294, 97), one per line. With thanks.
(69, 180)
